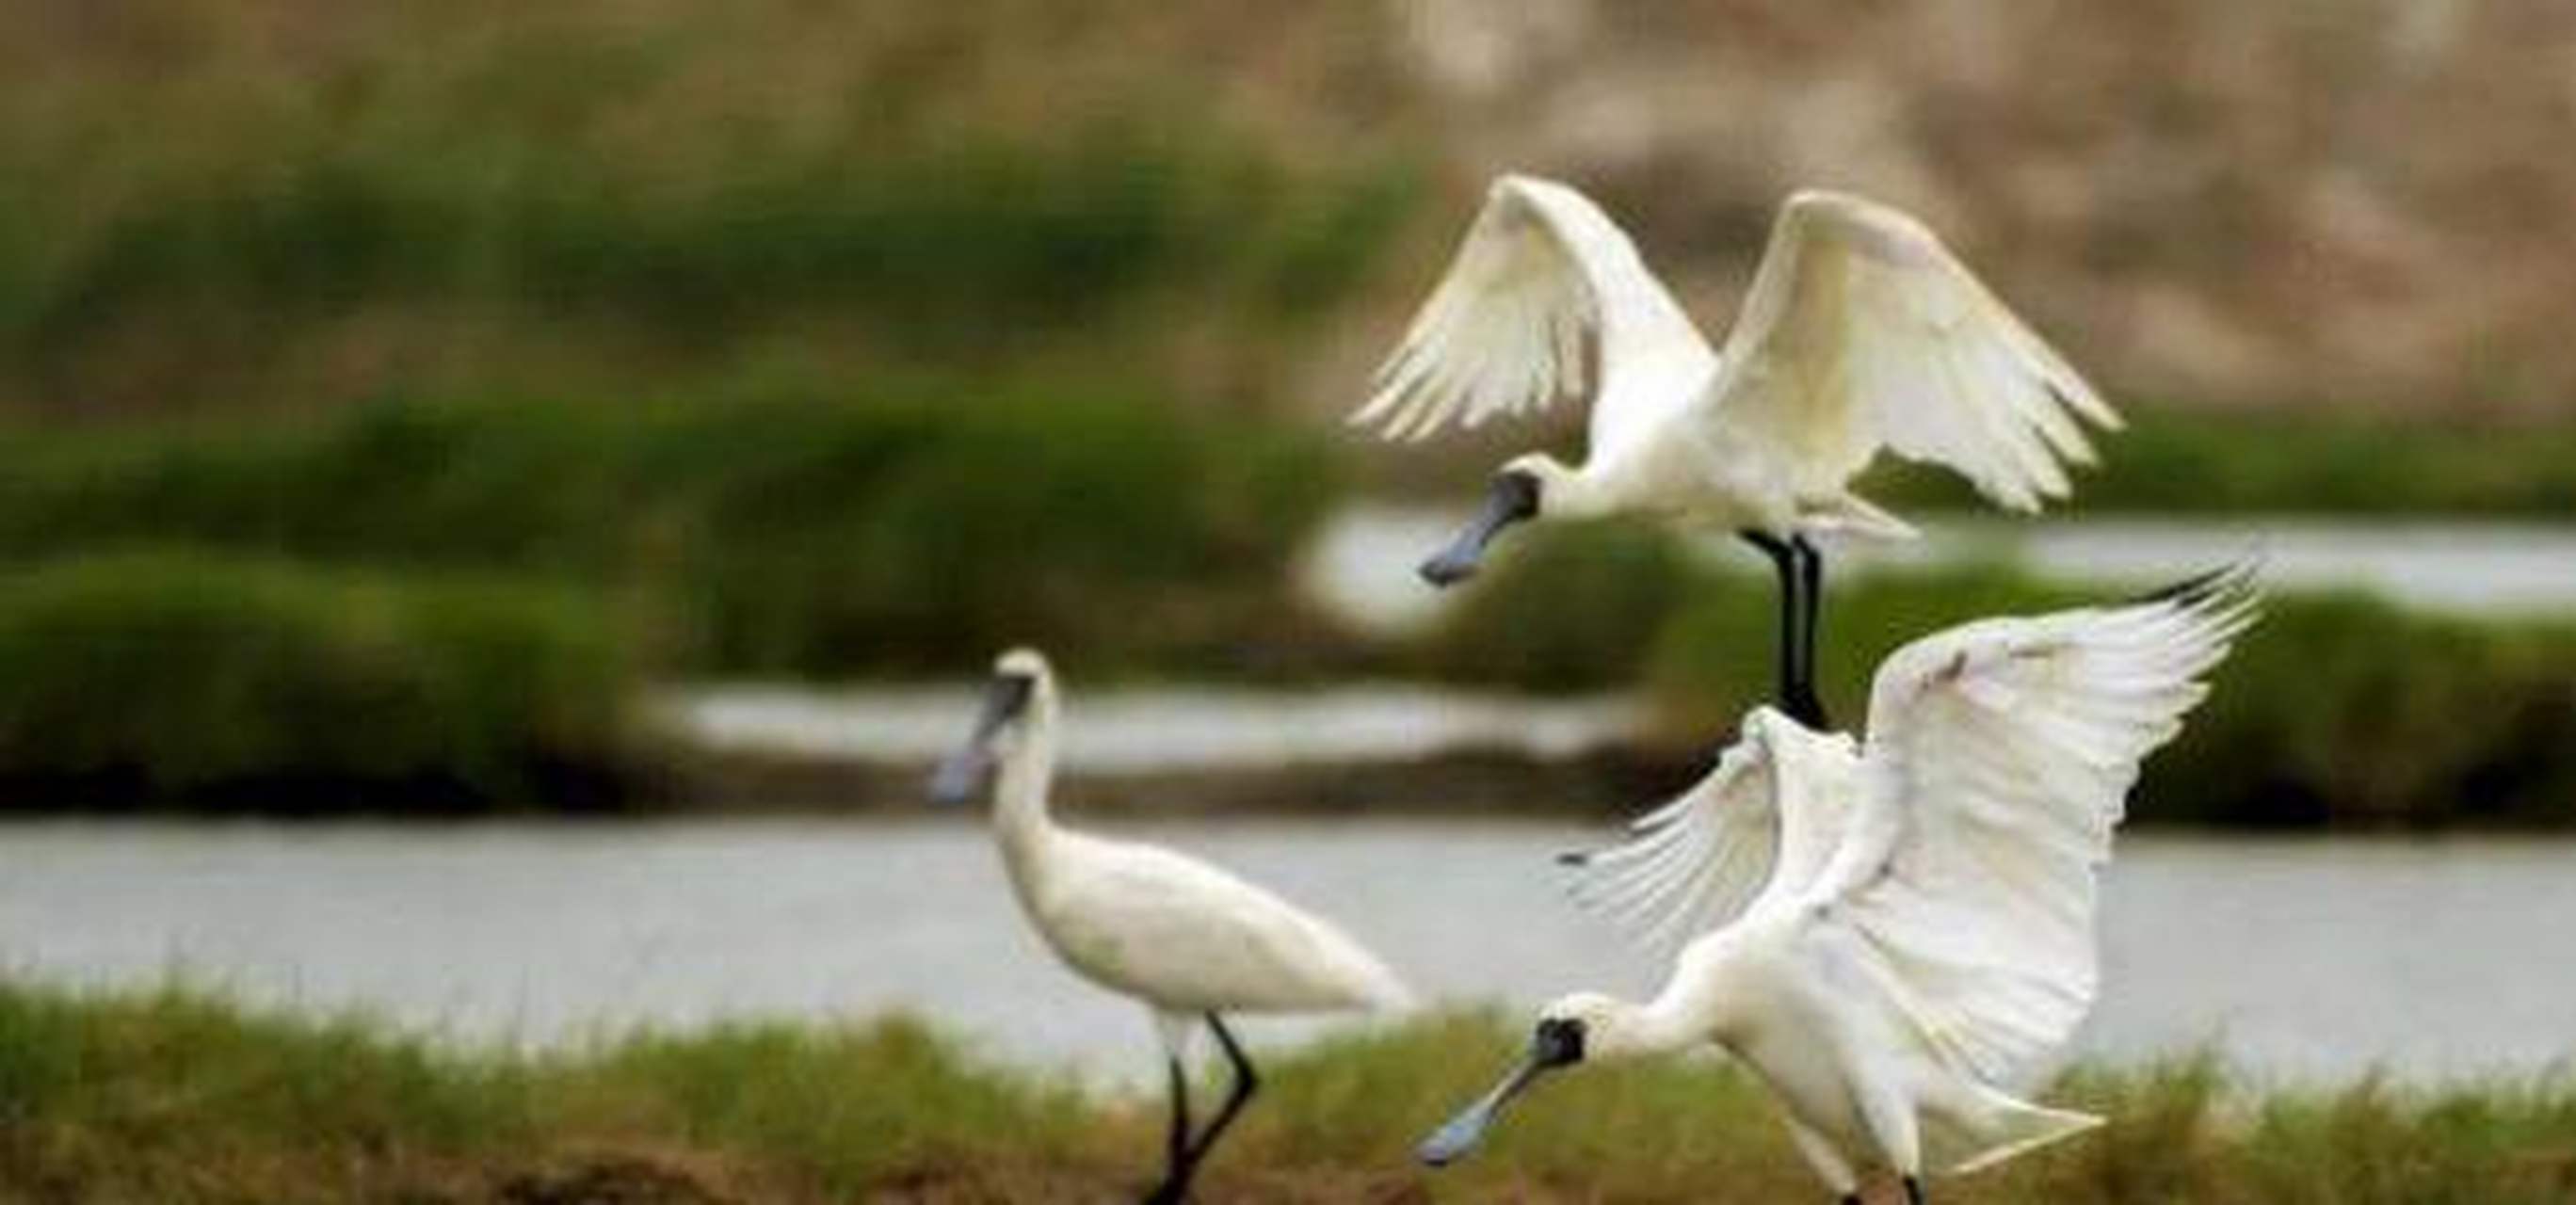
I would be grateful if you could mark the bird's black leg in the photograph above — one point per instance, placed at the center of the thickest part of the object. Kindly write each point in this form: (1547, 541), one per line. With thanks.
(1245, 1084)
(1783, 560)
(1913, 1191)
(1802, 701)
(1184, 1152)
(1176, 1140)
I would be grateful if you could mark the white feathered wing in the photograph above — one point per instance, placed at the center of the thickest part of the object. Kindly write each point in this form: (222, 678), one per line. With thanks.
(1763, 823)
(2000, 758)
(1546, 298)
(1862, 332)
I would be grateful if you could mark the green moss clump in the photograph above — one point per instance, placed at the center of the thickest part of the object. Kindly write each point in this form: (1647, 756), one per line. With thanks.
(184, 678)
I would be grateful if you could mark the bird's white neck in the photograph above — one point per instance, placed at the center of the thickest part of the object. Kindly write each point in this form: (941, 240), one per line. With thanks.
(1020, 817)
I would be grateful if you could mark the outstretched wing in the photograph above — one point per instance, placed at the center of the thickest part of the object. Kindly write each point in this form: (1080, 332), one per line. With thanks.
(1545, 295)
(2000, 758)
(1862, 331)
(1763, 821)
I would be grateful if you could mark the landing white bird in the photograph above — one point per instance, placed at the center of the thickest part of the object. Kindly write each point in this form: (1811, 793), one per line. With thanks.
(1894, 937)
(1186, 939)
(1861, 332)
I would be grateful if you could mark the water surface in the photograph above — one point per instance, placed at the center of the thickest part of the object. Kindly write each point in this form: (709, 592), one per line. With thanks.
(1361, 565)
(2308, 959)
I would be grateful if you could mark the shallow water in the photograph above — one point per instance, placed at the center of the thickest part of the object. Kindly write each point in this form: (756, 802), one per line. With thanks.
(1160, 729)
(2307, 960)
(1359, 567)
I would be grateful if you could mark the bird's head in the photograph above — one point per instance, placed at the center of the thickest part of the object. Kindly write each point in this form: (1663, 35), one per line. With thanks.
(1585, 1026)
(1526, 487)
(1021, 679)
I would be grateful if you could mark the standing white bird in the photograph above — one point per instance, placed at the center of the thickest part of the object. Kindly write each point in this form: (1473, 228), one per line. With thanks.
(1892, 938)
(1861, 332)
(1186, 939)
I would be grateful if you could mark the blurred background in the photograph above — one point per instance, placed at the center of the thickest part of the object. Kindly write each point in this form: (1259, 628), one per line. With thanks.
(644, 410)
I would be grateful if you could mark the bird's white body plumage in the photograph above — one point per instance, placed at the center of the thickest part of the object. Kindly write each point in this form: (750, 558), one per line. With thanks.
(1175, 933)
(1895, 937)
(1860, 332)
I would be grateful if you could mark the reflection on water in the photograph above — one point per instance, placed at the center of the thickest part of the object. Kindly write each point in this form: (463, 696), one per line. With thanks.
(2301, 959)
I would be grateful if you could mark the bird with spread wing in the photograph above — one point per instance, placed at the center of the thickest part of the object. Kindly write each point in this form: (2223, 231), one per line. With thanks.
(1861, 333)
(1894, 936)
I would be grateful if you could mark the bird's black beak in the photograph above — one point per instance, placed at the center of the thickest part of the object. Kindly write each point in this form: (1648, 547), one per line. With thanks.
(1513, 499)
(962, 775)
(1558, 1043)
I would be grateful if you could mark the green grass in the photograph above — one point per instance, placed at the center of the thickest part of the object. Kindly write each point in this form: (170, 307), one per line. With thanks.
(2189, 462)
(602, 192)
(988, 236)
(787, 528)
(176, 1096)
(183, 679)
(2337, 711)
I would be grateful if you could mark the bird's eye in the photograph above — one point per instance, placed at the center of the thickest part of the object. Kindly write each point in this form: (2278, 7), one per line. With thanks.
(1559, 1041)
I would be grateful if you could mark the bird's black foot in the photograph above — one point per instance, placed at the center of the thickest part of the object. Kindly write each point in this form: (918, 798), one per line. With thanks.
(1168, 1193)
(1913, 1191)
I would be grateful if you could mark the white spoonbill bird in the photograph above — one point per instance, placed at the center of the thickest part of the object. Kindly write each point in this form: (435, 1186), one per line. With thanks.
(1861, 332)
(1189, 941)
(1894, 936)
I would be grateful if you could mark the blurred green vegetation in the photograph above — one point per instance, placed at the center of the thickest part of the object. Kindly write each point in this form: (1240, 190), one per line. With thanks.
(766, 339)
(285, 636)
(833, 340)
(1569, 608)
(217, 209)
(789, 530)
(187, 679)
(953, 252)
(2336, 711)
(2195, 462)
(175, 1095)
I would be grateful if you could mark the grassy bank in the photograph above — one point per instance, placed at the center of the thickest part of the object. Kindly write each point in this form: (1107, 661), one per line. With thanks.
(2337, 711)
(784, 528)
(182, 680)
(177, 1097)
(451, 604)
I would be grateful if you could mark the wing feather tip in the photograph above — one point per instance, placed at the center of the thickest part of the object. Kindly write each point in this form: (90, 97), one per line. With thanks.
(2212, 588)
